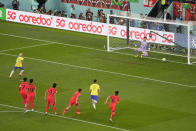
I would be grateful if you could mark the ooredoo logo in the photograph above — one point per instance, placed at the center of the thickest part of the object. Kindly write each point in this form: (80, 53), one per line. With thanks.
(86, 27)
(40, 20)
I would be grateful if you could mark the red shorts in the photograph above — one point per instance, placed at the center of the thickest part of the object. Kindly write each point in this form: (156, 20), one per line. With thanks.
(113, 108)
(73, 102)
(30, 98)
(50, 100)
(24, 95)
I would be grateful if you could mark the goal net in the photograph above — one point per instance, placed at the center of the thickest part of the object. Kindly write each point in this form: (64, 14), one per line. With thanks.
(173, 40)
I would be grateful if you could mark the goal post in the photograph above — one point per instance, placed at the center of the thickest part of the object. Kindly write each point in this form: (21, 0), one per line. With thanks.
(171, 39)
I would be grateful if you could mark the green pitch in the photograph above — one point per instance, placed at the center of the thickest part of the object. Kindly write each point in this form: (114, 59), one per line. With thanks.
(155, 95)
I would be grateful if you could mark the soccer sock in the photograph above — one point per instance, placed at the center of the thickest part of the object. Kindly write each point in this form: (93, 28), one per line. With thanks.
(12, 72)
(21, 71)
(66, 110)
(27, 106)
(77, 109)
(47, 107)
(54, 108)
(136, 52)
(24, 101)
(32, 105)
(94, 106)
(112, 115)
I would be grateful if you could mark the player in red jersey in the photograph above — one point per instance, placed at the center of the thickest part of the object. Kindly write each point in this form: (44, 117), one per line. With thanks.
(50, 96)
(31, 94)
(74, 101)
(114, 99)
(22, 89)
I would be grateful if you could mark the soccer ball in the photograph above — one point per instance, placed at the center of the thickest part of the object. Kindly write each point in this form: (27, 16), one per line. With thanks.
(163, 59)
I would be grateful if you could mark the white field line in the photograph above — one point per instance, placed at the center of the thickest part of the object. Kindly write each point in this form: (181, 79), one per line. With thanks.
(69, 118)
(10, 111)
(23, 37)
(24, 47)
(105, 71)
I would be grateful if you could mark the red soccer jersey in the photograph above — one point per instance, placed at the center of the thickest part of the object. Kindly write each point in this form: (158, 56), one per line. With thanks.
(114, 100)
(30, 89)
(75, 96)
(23, 86)
(51, 92)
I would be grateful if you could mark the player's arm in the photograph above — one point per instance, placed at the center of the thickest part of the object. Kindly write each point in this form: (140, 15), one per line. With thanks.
(107, 100)
(90, 91)
(46, 94)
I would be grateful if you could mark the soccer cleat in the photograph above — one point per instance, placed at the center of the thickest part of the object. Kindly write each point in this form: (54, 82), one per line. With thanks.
(136, 56)
(63, 113)
(141, 56)
(78, 113)
(46, 113)
(111, 120)
(32, 110)
(20, 75)
(55, 113)
(26, 111)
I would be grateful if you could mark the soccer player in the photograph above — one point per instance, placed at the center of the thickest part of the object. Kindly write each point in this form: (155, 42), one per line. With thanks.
(23, 88)
(74, 101)
(18, 65)
(50, 96)
(31, 95)
(142, 48)
(94, 91)
(114, 99)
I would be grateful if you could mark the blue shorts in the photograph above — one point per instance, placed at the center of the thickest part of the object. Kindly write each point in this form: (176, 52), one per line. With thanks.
(95, 98)
(15, 68)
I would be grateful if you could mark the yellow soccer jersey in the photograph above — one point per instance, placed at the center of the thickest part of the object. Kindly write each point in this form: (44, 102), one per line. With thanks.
(19, 62)
(94, 89)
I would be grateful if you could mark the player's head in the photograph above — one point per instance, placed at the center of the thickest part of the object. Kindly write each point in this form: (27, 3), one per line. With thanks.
(116, 93)
(54, 85)
(20, 55)
(145, 38)
(31, 80)
(80, 90)
(94, 81)
(24, 79)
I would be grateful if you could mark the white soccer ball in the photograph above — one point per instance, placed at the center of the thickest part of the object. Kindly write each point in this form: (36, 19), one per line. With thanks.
(163, 59)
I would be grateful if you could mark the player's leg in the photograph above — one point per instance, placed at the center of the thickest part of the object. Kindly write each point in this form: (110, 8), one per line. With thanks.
(24, 98)
(12, 72)
(21, 71)
(94, 101)
(78, 110)
(54, 106)
(47, 107)
(32, 100)
(67, 108)
(136, 52)
(28, 101)
(112, 115)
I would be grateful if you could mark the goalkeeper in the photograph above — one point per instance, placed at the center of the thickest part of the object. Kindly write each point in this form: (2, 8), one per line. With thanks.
(142, 48)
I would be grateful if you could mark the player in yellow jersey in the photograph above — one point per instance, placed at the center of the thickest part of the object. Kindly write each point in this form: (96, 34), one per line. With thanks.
(18, 65)
(95, 92)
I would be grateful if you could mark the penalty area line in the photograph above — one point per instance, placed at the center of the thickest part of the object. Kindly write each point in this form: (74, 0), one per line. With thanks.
(10, 111)
(69, 118)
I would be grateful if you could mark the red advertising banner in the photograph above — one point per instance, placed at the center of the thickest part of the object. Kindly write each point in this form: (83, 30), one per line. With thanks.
(190, 14)
(177, 9)
(106, 4)
(149, 3)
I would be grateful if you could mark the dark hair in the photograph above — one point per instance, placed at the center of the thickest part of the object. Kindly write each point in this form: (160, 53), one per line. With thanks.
(145, 37)
(54, 85)
(31, 80)
(24, 79)
(116, 93)
(94, 80)
(79, 89)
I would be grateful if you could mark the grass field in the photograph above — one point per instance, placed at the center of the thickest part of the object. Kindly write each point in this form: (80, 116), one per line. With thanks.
(155, 95)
